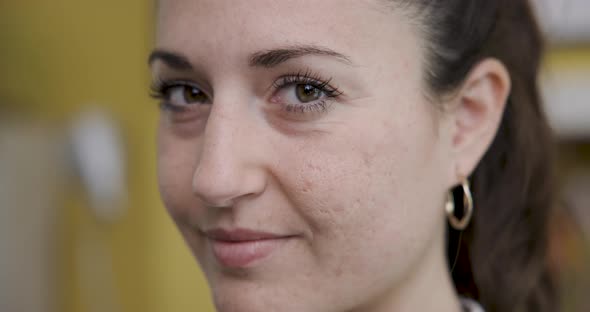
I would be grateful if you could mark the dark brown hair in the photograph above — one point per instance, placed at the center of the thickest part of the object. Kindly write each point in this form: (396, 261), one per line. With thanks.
(502, 255)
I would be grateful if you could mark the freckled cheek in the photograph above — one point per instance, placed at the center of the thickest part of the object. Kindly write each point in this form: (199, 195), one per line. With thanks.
(324, 190)
(346, 219)
(352, 195)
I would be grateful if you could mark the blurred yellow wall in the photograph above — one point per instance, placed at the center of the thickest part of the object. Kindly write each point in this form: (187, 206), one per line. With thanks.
(56, 58)
(573, 58)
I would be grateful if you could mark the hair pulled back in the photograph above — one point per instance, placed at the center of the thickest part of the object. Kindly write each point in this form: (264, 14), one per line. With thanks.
(502, 259)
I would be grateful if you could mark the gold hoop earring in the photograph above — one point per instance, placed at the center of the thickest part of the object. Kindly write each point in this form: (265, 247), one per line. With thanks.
(456, 223)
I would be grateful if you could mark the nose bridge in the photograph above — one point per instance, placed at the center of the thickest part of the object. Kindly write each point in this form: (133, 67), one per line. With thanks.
(229, 166)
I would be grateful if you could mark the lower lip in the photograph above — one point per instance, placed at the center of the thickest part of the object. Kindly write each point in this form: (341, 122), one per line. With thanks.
(246, 253)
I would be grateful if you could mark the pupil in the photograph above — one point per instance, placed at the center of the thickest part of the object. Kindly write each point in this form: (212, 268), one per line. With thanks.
(192, 93)
(307, 93)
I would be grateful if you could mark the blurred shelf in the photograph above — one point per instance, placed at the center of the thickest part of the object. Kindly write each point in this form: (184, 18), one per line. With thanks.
(567, 102)
(565, 21)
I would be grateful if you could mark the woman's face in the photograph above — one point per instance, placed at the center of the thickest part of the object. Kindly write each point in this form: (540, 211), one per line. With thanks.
(298, 154)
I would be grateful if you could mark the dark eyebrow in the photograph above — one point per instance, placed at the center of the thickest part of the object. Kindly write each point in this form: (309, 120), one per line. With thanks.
(269, 58)
(274, 57)
(171, 59)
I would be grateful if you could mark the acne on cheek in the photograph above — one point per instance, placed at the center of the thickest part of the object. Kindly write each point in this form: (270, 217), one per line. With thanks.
(307, 185)
(328, 188)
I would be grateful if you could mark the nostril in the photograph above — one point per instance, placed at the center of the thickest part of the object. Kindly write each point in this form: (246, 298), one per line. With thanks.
(219, 203)
(223, 188)
(217, 199)
(217, 184)
(211, 191)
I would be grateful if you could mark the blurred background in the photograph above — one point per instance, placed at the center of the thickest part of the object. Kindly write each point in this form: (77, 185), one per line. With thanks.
(81, 223)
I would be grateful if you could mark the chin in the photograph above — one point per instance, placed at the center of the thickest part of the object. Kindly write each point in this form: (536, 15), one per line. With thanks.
(248, 296)
(247, 291)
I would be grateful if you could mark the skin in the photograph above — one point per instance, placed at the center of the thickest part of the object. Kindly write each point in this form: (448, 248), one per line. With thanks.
(360, 185)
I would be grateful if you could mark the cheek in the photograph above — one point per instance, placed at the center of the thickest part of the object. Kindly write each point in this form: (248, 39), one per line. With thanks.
(177, 159)
(372, 189)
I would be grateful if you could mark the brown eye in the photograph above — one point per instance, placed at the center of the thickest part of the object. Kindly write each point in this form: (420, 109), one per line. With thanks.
(183, 95)
(307, 93)
(192, 95)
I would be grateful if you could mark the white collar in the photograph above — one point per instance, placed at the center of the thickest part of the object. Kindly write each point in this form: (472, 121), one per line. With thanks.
(471, 305)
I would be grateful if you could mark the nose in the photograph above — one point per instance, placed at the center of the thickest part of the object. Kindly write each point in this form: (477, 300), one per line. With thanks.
(231, 160)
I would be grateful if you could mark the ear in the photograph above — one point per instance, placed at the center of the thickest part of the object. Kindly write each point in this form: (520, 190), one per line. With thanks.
(477, 112)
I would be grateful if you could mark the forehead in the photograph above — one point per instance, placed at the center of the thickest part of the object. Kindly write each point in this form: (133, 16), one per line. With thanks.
(237, 25)
(263, 10)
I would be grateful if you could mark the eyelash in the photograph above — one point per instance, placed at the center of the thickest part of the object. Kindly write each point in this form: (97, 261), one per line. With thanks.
(314, 80)
(159, 91)
(160, 88)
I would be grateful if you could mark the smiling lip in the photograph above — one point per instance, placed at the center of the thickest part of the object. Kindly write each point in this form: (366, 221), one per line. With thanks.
(241, 247)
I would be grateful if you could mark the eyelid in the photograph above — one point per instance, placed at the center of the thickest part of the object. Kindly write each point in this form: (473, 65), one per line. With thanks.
(304, 111)
(163, 90)
(307, 77)
(160, 85)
